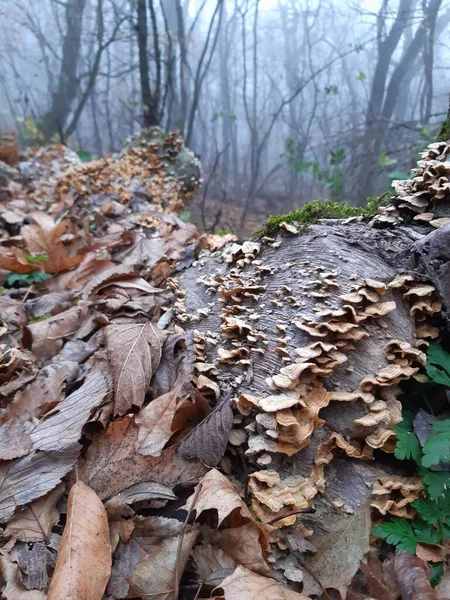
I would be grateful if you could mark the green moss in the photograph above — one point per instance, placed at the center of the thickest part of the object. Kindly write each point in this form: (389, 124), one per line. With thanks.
(314, 211)
(444, 133)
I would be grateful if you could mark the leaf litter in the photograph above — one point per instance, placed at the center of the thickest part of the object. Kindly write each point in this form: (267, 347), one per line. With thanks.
(139, 458)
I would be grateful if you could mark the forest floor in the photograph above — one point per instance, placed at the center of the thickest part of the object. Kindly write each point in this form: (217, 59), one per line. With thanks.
(134, 465)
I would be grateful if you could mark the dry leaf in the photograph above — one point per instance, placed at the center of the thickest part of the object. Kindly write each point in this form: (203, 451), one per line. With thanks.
(36, 522)
(45, 389)
(44, 239)
(245, 585)
(147, 535)
(412, 576)
(25, 479)
(14, 588)
(155, 423)
(118, 504)
(84, 559)
(243, 545)
(15, 439)
(208, 440)
(155, 576)
(47, 336)
(112, 463)
(218, 493)
(62, 426)
(212, 564)
(134, 352)
(35, 561)
(340, 548)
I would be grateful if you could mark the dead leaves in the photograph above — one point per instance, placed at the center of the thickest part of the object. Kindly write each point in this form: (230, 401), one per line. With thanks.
(134, 351)
(208, 440)
(83, 567)
(113, 465)
(62, 426)
(36, 522)
(245, 585)
(25, 479)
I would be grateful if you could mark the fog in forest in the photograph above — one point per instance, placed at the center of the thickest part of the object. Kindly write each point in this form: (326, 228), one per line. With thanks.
(283, 101)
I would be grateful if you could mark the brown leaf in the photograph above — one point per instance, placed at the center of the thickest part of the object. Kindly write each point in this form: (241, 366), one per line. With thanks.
(25, 479)
(134, 352)
(13, 311)
(176, 364)
(245, 585)
(208, 440)
(412, 575)
(155, 576)
(84, 559)
(218, 493)
(42, 238)
(48, 335)
(155, 423)
(12, 259)
(378, 580)
(14, 589)
(212, 564)
(112, 463)
(340, 548)
(243, 545)
(148, 533)
(15, 439)
(62, 426)
(45, 389)
(35, 561)
(139, 492)
(443, 587)
(36, 522)
(49, 304)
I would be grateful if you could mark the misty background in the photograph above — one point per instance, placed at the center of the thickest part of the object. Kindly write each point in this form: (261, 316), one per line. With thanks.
(284, 101)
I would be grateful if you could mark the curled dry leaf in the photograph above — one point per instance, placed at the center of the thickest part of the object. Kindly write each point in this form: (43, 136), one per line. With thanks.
(45, 389)
(245, 585)
(412, 576)
(212, 564)
(158, 574)
(14, 588)
(147, 536)
(155, 423)
(15, 439)
(47, 336)
(134, 351)
(138, 493)
(25, 479)
(84, 559)
(208, 440)
(218, 493)
(36, 522)
(62, 426)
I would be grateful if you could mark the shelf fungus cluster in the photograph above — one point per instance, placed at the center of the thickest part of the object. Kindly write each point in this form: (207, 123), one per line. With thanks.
(282, 417)
(424, 197)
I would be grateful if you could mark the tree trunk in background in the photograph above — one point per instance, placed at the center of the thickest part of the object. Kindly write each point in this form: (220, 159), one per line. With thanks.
(54, 120)
(149, 110)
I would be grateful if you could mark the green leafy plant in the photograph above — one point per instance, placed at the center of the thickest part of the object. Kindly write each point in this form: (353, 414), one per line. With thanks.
(24, 279)
(432, 522)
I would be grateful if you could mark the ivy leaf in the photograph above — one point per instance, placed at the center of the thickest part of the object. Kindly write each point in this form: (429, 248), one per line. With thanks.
(436, 483)
(437, 446)
(438, 365)
(408, 446)
(399, 533)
